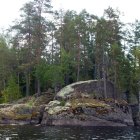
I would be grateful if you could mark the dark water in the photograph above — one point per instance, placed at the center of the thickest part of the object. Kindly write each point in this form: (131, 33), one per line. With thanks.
(68, 133)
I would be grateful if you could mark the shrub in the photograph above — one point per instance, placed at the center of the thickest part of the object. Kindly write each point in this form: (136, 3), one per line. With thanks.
(12, 92)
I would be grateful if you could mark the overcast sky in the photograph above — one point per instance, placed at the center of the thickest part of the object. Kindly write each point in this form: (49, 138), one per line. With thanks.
(9, 9)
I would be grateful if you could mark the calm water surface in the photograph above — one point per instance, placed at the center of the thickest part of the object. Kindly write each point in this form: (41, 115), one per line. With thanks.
(68, 133)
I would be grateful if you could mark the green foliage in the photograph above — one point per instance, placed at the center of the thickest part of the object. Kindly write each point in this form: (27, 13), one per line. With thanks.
(54, 75)
(7, 59)
(12, 91)
(49, 74)
(72, 47)
(67, 64)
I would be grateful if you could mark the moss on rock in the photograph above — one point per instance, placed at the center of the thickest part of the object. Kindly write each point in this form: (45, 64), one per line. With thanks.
(86, 102)
(16, 112)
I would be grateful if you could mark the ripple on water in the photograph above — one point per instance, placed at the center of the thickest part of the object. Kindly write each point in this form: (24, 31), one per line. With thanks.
(68, 133)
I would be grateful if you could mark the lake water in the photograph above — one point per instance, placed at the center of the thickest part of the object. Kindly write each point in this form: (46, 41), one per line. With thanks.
(68, 133)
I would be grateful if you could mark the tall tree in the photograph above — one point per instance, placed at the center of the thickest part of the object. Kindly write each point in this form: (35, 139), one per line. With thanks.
(33, 41)
(40, 26)
(108, 37)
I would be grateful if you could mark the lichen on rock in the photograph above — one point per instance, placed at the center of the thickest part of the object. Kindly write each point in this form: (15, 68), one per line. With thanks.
(66, 91)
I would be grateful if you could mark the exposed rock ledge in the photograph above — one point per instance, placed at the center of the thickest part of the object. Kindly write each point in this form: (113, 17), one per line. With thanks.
(88, 112)
(28, 110)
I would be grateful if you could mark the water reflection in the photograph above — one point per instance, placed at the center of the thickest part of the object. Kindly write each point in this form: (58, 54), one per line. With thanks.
(68, 133)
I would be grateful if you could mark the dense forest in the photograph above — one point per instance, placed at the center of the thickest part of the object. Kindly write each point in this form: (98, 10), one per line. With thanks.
(50, 49)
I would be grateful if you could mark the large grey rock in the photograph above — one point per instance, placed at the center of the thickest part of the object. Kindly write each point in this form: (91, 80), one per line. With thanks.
(90, 88)
(84, 104)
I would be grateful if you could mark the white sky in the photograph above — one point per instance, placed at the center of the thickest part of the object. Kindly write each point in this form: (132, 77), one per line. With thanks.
(9, 9)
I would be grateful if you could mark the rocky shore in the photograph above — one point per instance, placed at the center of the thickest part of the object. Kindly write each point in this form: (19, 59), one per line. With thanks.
(76, 104)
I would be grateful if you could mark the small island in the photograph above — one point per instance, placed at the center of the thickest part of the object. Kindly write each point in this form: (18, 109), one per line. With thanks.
(69, 75)
(78, 104)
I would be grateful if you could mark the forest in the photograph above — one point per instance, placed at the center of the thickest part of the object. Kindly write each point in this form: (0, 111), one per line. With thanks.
(46, 49)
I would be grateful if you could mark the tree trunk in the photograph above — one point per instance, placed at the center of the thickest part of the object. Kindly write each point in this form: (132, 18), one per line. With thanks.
(104, 79)
(18, 81)
(139, 102)
(27, 83)
(115, 79)
(4, 84)
(78, 58)
(104, 73)
(38, 87)
(98, 77)
(78, 71)
(52, 48)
